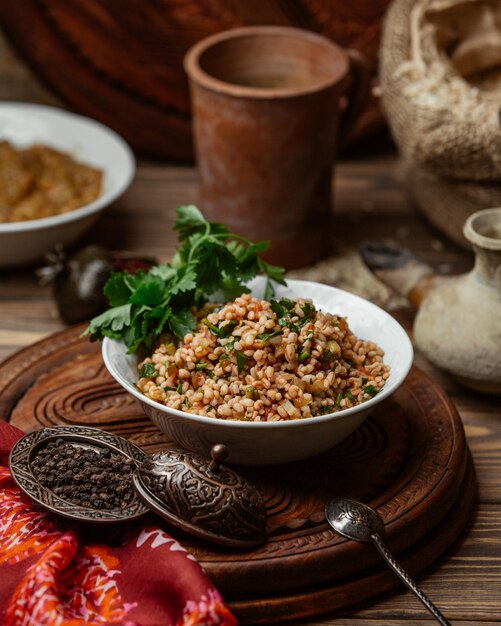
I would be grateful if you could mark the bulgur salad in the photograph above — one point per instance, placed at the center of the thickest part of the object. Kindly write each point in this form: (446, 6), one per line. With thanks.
(264, 361)
(249, 359)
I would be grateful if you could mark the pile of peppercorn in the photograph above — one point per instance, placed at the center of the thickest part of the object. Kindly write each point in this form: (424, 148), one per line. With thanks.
(84, 476)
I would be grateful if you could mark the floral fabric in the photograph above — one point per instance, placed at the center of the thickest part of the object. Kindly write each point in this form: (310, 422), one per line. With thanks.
(59, 574)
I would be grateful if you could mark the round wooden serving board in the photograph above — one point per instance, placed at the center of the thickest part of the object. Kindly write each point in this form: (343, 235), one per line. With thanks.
(409, 460)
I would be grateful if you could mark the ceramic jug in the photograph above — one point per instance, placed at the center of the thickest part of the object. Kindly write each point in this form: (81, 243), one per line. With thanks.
(458, 322)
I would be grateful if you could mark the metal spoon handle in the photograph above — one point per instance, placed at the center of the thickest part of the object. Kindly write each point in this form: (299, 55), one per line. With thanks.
(407, 580)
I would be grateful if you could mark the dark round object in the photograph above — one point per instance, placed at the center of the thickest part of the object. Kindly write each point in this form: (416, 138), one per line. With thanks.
(78, 287)
(379, 255)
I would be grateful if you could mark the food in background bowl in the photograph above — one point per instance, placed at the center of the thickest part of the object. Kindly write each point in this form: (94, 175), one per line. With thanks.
(40, 181)
(264, 361)
(23, 125)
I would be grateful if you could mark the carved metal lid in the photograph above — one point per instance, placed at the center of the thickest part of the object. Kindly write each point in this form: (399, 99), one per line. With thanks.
(190, 491)
(203, 497)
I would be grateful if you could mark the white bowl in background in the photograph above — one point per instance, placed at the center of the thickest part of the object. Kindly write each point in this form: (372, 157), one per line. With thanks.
(86, 140)
(262, 443)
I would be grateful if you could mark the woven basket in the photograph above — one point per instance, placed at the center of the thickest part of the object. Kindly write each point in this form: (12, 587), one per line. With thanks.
(440, 73)
(449, 203)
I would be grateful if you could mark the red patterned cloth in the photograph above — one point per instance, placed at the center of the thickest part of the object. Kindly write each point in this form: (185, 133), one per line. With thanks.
(57, 574)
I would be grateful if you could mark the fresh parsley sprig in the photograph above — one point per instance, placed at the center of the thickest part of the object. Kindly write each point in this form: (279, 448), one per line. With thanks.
(210, 259)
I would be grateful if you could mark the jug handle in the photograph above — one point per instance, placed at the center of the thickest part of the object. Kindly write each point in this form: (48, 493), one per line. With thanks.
(359, 77)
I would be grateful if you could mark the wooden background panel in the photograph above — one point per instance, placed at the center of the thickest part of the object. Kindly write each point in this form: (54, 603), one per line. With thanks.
(121, 62)
(17, 82)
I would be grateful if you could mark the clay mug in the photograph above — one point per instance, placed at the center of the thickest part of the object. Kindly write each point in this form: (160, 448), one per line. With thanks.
(271, 105)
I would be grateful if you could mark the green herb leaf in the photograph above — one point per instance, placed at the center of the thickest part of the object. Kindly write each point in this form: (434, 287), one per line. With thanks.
(223, 331)
(264, 337)
(371, 390)
(109, 323)
(164, 272)
(182, 322)
(248, 259)
(282, 307)
(189, 221)
(308, 310)
(232, 288)
(226, 329)
(149, 293)
(186, 280)
(241, 361)
(159, 317)
(230, 346)
(215, 330)
(117, 290)
(148, 370)
(213, 261)
(269, 291)
(274, 272)
(304, 356)
(251, 393)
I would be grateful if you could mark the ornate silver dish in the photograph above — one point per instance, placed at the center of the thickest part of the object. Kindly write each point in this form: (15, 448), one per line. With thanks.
(196, 494)
(23, 452)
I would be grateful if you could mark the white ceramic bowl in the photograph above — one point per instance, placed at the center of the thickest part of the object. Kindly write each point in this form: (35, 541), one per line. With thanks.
(261, 443)
(87, 141)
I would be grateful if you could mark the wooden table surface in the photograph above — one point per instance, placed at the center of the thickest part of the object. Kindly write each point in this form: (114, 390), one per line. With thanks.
(370, 202)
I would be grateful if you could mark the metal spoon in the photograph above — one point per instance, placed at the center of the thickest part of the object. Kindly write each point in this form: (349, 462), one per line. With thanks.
(357, 521)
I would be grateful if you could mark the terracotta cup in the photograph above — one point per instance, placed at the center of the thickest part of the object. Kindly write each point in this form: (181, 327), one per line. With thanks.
(271, 106)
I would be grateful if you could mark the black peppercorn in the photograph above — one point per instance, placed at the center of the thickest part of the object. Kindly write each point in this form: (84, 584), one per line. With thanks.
(85, 476)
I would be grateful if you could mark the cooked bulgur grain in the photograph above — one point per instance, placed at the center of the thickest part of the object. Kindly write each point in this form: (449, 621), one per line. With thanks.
(263, 361)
